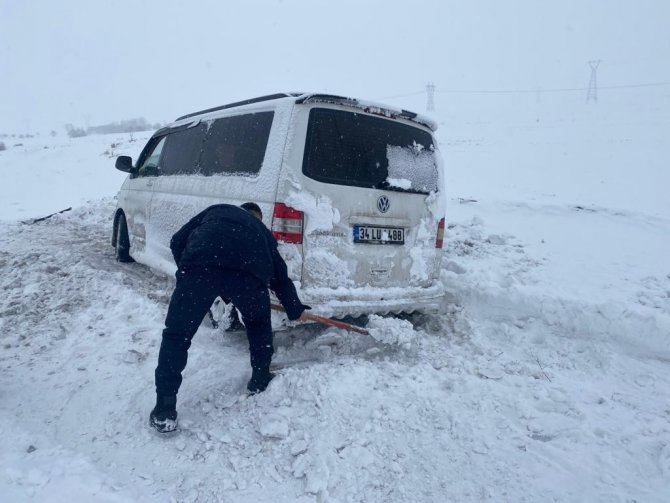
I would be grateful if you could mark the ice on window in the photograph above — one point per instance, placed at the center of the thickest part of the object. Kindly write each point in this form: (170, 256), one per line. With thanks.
(412, 167)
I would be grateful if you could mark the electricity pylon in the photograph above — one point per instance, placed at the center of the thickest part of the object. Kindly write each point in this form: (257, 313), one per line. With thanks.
(430, 91)
(592, 92)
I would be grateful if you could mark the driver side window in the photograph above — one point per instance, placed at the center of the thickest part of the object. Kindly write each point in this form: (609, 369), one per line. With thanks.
(150, 165)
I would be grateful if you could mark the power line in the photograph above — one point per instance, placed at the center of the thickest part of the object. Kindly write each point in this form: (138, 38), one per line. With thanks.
(400, 96)
(656, 84)
(433, 89)
(555, 90)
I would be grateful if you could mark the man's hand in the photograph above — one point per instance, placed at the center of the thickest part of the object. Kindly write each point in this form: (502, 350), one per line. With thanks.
(304, 316)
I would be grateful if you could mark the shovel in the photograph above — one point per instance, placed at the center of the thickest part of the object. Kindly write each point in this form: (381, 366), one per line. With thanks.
(326, 321)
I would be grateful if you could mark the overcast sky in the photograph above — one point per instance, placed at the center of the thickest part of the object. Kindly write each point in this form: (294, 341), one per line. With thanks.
(89, 62)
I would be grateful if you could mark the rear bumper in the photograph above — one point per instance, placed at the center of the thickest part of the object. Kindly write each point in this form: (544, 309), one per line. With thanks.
(341, 302)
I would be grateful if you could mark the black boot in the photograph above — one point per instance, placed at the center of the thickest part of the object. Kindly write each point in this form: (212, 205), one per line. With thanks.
(164, 416)
(260, 378)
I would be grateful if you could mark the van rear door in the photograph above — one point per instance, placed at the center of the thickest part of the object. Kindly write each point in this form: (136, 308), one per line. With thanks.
(369, 190)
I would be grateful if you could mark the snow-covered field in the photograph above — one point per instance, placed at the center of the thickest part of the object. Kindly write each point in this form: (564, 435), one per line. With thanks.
(546, 377)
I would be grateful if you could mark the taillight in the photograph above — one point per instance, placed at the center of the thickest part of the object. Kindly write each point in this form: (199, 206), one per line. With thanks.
(287, 224)
(440, 234)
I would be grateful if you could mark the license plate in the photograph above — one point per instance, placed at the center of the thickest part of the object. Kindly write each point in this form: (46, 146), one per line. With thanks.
(379, 235)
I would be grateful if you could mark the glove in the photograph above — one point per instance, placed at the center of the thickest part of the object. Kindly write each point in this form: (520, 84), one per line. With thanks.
(295, 314)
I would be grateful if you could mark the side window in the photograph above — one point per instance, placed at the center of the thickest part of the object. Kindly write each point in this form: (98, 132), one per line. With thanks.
(150, 165)
(236, 145)
(182, 150)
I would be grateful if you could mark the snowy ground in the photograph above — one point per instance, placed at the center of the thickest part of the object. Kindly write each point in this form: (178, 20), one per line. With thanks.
(546, 377)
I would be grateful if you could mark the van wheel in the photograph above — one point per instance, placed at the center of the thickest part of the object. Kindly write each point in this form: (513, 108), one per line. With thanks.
(122, 247)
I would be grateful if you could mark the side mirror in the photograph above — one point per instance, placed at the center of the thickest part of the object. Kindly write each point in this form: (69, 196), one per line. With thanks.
(124, 163)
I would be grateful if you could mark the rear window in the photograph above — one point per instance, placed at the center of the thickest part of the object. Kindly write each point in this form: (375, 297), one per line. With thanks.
(348, 148)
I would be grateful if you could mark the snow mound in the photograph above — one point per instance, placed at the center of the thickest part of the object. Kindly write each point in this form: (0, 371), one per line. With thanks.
(391, 330)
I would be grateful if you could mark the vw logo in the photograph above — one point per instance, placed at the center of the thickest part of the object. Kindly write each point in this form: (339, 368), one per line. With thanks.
(383, 204)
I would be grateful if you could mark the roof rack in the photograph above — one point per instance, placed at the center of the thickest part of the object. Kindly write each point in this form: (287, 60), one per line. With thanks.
(366, 106)
(240, 103)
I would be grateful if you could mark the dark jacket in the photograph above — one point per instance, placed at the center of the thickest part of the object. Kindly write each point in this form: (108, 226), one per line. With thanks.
(229, 237)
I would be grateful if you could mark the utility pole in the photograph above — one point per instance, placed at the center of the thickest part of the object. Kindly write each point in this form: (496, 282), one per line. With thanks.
(430, 91)
(592, 92)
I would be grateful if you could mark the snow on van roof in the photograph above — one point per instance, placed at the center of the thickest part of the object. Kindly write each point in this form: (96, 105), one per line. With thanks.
(369, 107)
(300, 98)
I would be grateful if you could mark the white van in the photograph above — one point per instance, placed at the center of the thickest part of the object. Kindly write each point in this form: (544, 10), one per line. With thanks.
(352, 190)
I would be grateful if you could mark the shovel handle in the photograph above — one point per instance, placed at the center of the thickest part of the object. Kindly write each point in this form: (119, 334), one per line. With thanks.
(326, 321)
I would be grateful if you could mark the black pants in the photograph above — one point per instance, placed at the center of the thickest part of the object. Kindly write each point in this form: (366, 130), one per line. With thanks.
(196, 290)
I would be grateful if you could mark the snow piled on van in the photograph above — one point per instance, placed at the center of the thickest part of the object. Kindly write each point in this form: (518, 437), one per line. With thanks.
(322, 215)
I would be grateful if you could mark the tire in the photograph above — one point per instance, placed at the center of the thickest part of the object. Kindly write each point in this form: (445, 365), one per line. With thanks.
(122, 247)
